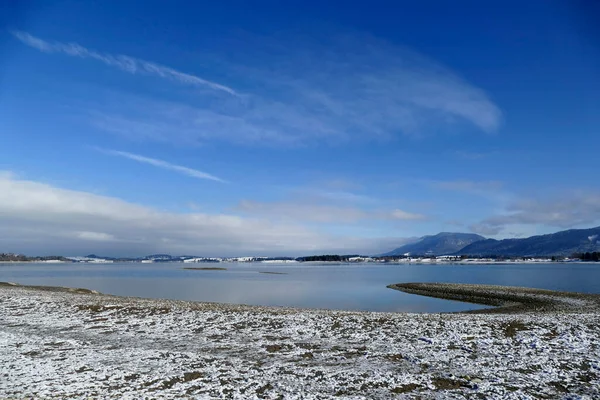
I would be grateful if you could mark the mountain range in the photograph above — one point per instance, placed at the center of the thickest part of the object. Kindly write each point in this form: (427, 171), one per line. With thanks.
(437, 245)
(563, 243)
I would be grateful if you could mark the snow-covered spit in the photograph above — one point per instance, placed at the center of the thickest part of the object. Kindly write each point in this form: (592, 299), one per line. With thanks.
(67, 343)
(506, 299)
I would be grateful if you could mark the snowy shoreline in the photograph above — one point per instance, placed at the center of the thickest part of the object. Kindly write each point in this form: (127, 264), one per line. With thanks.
(74, 343)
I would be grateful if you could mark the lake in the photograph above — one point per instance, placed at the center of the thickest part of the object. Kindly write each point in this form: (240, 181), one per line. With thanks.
(332, 286)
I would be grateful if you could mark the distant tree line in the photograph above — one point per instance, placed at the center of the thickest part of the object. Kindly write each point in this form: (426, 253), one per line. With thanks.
(13, 257)
(327, 257)
(391, 258)
(587, 256)
(21, 257)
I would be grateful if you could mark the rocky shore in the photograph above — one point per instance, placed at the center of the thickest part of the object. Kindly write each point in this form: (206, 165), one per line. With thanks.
(75, 343)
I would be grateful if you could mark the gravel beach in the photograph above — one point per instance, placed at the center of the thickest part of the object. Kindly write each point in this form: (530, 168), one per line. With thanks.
(75, 343)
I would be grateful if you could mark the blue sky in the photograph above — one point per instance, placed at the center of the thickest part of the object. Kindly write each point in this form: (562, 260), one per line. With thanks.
(293, 128)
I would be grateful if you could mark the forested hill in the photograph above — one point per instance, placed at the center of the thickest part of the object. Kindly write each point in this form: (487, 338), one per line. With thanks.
(436, 245)
(564, 243)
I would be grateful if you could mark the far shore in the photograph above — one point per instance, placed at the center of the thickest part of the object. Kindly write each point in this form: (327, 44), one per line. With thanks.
(316, 263)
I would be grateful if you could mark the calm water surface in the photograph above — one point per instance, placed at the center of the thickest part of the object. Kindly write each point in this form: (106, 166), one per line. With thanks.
(345, 287)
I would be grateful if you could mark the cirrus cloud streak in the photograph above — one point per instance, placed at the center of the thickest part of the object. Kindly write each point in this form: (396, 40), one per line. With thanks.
(344, 88)
(122, 62)
(194, 173)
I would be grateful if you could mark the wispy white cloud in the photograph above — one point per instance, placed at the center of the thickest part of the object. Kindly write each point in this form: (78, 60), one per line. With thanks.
(318, 203)
(471, 155)
(565, 211)
(122, 62)
(37, 218)
(302, 210)
(194, 173)
(325, 192)
(406, 216)
(339, 184)
(469, 186)
(492, 190)
(374, 86)
(334, 90)
(95, 236)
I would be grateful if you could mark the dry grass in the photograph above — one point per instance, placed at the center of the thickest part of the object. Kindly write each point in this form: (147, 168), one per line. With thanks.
(511, 328)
